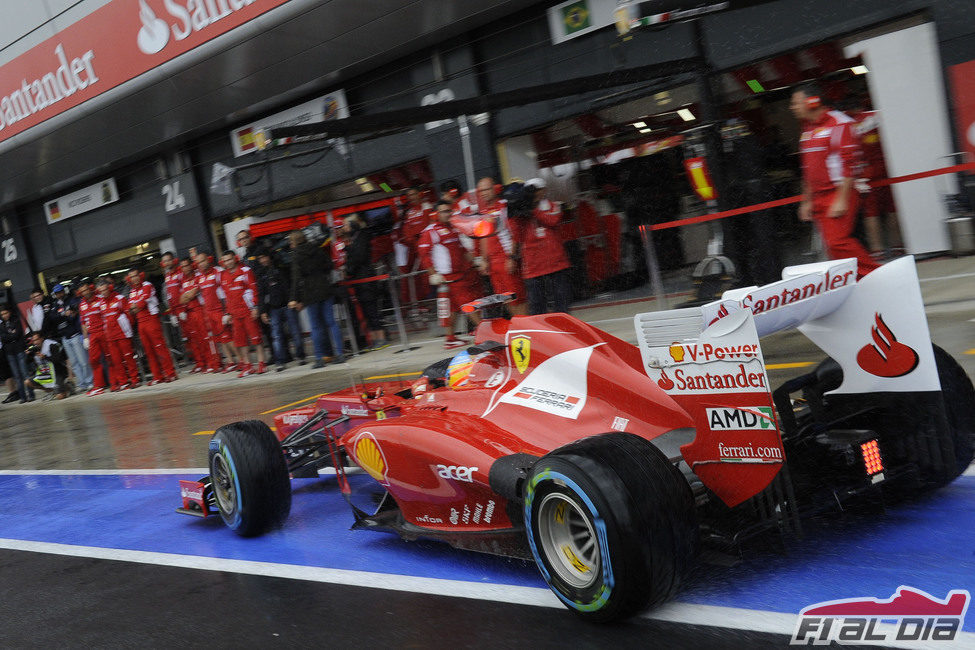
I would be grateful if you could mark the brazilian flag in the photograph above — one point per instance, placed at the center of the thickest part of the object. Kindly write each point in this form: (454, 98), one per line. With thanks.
(576, 17)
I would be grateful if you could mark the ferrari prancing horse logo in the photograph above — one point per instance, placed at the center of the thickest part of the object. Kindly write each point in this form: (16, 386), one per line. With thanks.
(521, 350)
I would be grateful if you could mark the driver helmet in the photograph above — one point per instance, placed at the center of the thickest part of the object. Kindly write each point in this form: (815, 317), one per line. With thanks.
(466, 368)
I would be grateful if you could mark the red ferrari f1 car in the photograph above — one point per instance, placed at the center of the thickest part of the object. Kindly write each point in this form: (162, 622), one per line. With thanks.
(608, 463)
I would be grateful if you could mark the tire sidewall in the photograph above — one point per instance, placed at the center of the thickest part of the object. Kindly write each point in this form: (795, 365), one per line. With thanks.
(561, 476)
(221, 446)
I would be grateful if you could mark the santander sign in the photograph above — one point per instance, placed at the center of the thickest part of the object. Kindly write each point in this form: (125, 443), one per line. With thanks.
(79, 63)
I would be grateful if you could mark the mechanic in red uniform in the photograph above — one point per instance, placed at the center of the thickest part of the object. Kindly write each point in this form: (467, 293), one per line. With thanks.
(879, 213)
(144, 305)
(496, 250)
(123, 373)
(240, 289)
(200, 341)
(447, 262)
(416, 216)
(208, 280)
(172, 281)
(539, 252)
(90, 311)
(830, 155)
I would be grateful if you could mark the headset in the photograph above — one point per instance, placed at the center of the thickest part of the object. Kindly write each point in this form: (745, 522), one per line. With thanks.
(813, 95)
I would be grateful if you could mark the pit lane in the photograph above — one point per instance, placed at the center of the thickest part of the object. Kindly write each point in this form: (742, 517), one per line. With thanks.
(106, 551)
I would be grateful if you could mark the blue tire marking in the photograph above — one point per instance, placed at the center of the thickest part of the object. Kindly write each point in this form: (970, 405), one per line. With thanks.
(225, 452)
(608, 580)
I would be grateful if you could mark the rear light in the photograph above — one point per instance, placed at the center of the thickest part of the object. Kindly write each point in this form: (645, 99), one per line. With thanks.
(871, 457)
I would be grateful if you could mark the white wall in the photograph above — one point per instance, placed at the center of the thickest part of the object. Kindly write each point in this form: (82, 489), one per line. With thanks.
(907, 88)
(34, 21)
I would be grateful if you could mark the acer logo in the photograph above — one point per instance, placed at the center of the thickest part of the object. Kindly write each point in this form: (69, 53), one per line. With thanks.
(886, 356)
(456, 472)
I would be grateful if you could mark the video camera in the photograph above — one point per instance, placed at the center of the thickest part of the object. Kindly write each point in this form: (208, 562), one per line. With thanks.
(520, 198)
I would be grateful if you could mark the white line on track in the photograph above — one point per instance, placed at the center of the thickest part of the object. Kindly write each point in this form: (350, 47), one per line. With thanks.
(947, 277)
(103, 472)
(685, 613)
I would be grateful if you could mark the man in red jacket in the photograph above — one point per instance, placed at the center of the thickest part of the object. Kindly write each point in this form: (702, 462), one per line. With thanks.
(240, 288)
(123, 373)
(449, 264)
(415, 217)
(144, 305)
(208, 279)
(90, 310)
(198, 336)
(830, 156)
(539, 252)
(497, 248)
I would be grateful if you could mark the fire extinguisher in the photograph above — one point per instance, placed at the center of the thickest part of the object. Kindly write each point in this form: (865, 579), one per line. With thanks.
(443, 306)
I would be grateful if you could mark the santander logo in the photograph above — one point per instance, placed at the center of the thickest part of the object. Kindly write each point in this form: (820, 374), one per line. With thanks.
(188, 17)
(665, 382)
(154, 34)
(886, 356)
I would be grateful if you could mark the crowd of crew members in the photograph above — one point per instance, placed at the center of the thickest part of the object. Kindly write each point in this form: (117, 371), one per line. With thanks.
(467, 245)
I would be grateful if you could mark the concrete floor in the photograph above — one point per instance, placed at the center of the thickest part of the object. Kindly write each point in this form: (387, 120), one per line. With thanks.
(168, 426)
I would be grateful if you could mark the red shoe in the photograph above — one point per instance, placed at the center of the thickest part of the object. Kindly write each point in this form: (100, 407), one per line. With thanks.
(247, 371)
(95, 391)
(229, 368)
(261, 368)
(197, 369)
(153, 382)
(170, 379)
(453, 343)
(210, 371)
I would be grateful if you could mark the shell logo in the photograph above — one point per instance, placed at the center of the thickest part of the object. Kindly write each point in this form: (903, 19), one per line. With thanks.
(370, 457)
(677, 352)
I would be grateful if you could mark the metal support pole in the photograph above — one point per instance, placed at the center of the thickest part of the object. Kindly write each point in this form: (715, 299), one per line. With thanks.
(348, 325)
(653, 266)
(465, 143)
(398, 314)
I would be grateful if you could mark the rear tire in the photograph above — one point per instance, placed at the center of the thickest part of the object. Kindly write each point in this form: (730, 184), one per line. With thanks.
(249, 477)
(959, 396)
(611, 524)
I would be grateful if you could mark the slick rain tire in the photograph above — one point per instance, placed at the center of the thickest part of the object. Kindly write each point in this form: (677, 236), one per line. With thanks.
(249, 476)
(959, 396)
(611, 524)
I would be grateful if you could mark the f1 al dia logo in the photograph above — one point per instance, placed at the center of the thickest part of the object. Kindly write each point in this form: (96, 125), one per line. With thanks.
(909, 615)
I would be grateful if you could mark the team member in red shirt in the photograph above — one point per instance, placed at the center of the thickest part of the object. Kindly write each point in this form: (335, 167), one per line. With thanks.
(144, 304)
(497, 248)
(442, 255)
(830, 156)
(208, 281)
(539, 251)
(172, 282)
(240, 288)
(415, 218)
(90, 311)
(123, 372)
(194, 321)
(878, 202)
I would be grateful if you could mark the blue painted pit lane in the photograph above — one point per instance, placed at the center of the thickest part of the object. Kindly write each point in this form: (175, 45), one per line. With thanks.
(925, 544)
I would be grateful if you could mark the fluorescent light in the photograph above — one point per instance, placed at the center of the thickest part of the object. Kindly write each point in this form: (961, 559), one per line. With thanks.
(859, 69)
(646, 130)
(640, 125)
(686, 115)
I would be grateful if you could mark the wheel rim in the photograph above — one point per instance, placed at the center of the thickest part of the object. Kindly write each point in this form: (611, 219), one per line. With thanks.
(568, 540)
(223, 485)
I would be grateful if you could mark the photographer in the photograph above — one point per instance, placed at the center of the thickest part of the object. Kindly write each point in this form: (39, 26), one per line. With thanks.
(47, 365)
(538, 247)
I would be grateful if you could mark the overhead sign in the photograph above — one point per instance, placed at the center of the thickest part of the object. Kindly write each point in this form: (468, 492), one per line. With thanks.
(84, 200)
(332, 106)
(79, 62)
(574, 18)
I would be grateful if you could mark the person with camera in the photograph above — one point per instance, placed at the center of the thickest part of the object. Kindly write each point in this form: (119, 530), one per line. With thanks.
(47, 366)
(67, 329)
(538, 250)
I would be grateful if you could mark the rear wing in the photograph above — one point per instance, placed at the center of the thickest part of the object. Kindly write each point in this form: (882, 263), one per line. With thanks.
(875, 329)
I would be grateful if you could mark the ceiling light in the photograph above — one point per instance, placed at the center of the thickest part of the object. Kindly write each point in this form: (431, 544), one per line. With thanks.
(646, 130)
(640, 125)
(686, 115)
(859, 69)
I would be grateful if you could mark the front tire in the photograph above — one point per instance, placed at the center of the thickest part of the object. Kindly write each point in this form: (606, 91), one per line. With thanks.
(249, 477)
(611, 524)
